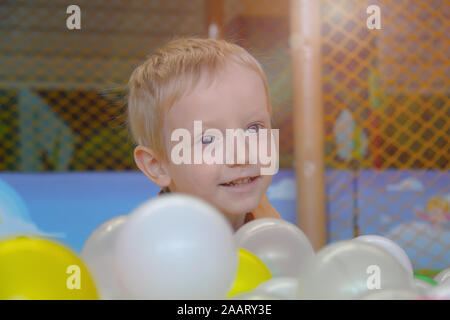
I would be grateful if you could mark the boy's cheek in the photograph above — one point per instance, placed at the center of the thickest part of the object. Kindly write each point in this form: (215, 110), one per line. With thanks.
(266, 180)
(195, 177)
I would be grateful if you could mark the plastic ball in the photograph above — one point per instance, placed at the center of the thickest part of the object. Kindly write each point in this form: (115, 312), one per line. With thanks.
(440, 292)
(281, 245)
(423, 283)
(251, 273)
(40, 269)
(282, 287)
(392, 247)
(176, 247)
(252, 295)
(391, 294)
(349, 269)
(98, 254)
(443, 276)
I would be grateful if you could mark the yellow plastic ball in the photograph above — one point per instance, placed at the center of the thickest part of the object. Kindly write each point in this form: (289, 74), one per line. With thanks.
(251, 273)
(39, 269)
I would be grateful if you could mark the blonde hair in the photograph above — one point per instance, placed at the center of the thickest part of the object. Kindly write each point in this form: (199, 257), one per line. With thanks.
(170, 72)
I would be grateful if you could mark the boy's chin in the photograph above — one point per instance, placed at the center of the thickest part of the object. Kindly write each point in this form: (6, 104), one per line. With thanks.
(241, 208)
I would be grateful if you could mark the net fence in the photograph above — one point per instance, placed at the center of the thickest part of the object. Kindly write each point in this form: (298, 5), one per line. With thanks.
(385, 94)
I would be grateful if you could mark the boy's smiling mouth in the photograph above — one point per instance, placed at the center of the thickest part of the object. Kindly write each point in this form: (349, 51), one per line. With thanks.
(240, 182)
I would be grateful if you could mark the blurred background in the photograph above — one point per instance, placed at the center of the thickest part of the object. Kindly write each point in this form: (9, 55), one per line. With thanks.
(66, 160)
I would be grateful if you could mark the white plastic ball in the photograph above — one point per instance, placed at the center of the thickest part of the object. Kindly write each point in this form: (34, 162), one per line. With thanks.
(282, 287)
(391, 294)
(392, 247)
(98, 254)
(281, 245)
(443, 276)
(349, 269)
(176, 247)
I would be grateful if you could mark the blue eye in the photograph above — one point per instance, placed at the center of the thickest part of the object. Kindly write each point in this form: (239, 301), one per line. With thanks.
(254, 128)
(207, 139)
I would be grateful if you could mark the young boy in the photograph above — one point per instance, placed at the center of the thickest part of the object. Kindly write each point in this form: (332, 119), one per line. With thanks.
(224, 87)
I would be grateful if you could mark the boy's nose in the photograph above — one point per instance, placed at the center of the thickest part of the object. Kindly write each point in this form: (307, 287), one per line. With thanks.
(237, 165)
(234, 161)
(239, 155)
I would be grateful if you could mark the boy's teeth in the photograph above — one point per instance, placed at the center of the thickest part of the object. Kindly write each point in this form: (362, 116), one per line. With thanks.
(239, 181)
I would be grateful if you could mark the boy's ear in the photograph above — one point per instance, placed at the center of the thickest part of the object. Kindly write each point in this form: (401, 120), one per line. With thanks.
(151, 165)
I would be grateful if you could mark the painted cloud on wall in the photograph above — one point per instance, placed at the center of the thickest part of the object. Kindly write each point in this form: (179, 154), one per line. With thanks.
(14, 217)
(408, 184)
(283, 190)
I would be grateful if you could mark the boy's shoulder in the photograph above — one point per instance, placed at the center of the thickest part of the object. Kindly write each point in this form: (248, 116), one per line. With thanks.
(265, 209)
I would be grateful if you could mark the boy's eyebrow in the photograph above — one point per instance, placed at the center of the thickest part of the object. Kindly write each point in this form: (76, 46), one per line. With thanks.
(205, 126)
(210, 124)
(260, 116)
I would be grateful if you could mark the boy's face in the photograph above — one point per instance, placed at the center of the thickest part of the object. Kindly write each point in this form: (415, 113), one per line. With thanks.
(236, 99)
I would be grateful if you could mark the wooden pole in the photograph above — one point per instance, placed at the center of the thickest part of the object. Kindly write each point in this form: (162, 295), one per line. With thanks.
(308, 119)
(214, 18)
